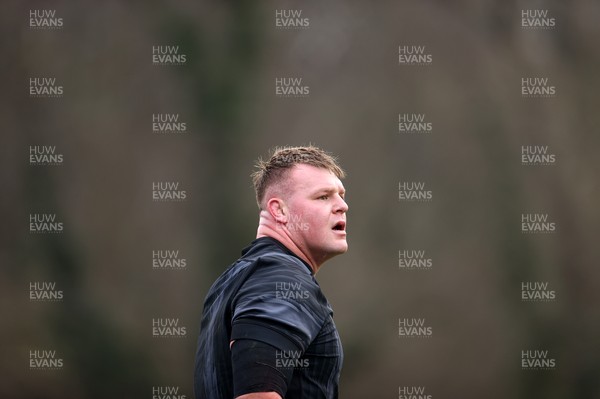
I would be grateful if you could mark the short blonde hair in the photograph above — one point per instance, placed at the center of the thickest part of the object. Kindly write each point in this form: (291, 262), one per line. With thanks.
(282, 159)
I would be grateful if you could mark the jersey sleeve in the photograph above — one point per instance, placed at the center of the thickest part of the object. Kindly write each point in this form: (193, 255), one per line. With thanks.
(280, 304)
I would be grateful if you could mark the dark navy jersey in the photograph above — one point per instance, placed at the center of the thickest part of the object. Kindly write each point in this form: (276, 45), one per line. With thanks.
(269, 295)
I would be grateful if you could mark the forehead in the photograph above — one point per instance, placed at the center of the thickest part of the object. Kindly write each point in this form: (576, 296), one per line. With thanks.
(308, 177)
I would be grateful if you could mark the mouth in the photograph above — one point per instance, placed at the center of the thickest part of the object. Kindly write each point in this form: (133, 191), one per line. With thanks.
(339, 226)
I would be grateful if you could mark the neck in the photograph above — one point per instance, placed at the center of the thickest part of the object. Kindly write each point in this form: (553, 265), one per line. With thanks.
(267, 227)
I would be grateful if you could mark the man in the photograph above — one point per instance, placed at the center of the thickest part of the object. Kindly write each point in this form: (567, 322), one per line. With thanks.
(267, 330)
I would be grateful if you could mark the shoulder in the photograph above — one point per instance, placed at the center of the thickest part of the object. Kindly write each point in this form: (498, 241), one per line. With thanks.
(270, 254)
(282, 264)
(282, 277)
(280, 295)
(276, 272)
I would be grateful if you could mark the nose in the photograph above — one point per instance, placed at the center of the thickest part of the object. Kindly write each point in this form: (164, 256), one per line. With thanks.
(341, 206)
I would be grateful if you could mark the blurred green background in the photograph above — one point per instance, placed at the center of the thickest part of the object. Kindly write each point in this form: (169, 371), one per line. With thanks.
(225, 92)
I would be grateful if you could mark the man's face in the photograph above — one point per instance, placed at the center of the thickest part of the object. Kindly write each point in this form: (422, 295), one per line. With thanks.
(316, 212)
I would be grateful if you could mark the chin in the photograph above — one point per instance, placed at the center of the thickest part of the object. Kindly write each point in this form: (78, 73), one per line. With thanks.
(340, 249)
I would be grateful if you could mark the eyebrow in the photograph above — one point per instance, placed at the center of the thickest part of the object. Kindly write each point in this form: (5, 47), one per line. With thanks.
(329, 190)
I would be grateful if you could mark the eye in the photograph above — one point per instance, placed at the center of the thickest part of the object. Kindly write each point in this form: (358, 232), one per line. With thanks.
(324, 197)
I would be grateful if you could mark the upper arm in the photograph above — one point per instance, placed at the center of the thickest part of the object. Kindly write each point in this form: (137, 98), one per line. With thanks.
(255, 369)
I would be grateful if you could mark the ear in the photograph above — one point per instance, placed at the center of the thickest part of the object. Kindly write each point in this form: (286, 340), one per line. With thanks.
(278, 210)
